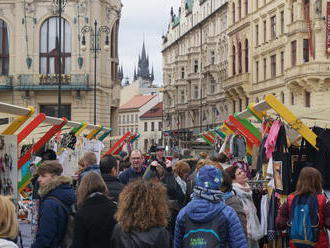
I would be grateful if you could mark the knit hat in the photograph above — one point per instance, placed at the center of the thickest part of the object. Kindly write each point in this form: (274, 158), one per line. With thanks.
(209, 177)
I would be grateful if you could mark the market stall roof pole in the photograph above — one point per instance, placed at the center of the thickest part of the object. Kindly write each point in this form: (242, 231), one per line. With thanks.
(17, 110)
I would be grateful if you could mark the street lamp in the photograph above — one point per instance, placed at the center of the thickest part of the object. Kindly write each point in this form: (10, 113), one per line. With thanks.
(60, 4)
(95, 34)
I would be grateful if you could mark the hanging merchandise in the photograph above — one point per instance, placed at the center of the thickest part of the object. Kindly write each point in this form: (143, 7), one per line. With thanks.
(95, 146)
(8, 165)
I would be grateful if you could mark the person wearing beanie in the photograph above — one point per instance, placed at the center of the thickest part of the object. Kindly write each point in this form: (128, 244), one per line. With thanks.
(207, 220)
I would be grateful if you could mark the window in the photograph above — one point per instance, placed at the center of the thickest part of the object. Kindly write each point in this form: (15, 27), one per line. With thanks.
(240, 104)
(145, 144)
(119, 120)
(4, 49)
(132, 118)
(234, 13)
(282, 63)
(239, 57)
(212, 57)
(257, 35)
(292, 98)
(196, 66)
(257, 71)
(282, 22)
(293, 52)
(273, 65)
(265, 31)
(234, 106)
(136, 118)
(182, 100)
(246, 7)
(52, 110)
(247, 100)
(160, 126)
(196, 92)
(273, 27)
(234, 61)
(307, 99)
(146, 126)
(246, 55)
(282, 97)
(306, 50)
(182, 72)
(49, 47)
(212, 86)
(152, 126)
(239, 9)
(265, 68)
(124, 120)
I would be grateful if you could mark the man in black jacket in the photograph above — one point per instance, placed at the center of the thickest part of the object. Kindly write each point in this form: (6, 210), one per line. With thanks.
(109, 170)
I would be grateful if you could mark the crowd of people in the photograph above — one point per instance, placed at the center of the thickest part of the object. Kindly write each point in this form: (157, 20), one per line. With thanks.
(154, 203)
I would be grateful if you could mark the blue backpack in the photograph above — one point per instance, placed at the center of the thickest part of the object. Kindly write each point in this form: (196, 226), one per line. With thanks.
(304, 221)
(202, 235)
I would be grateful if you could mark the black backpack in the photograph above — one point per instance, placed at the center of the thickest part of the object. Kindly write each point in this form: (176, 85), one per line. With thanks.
(202, 235)
(67, 238)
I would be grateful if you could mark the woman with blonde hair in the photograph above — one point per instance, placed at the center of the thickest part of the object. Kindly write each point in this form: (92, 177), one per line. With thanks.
(8, 223)
(94, 219)
(309, 188)
(142, 217)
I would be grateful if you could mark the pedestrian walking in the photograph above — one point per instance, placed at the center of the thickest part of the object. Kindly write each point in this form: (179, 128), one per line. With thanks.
(94, 220)
(244, 192)
(142, 216)
(8, 223)
(135, 171)
(307, 199)
(89, 163)
(57, 196)
(109, 168)
(207, 221)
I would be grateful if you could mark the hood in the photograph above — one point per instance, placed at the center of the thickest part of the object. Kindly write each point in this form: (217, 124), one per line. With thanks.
(7, 244)
(92, 168)
(60, 188)
(201, 210)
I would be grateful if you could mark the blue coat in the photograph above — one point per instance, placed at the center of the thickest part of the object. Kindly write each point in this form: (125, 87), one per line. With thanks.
(130, 174)
(201, 211)
(92, 168)
(52, 215)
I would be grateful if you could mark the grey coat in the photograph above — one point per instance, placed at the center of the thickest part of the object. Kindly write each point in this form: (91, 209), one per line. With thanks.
(235, 203)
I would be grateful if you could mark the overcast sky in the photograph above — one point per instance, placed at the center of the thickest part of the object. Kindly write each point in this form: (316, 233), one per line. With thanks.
(148, 19)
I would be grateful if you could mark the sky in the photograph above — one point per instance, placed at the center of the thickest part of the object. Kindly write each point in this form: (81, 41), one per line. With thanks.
(148, 20)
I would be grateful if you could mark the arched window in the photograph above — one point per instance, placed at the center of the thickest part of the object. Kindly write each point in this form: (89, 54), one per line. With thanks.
(239, 9)
(234, 13)
(239, 57)
(282, 97)
(49, 33)
(234, 60)
(246, 55)
(4, 49)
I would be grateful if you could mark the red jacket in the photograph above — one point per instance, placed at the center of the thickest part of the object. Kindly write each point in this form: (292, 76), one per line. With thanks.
(324, 213)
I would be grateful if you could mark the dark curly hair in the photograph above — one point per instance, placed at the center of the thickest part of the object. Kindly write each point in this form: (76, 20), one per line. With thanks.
(142, 205)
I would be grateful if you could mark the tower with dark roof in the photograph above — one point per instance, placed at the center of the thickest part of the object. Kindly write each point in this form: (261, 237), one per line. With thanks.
(143, 70)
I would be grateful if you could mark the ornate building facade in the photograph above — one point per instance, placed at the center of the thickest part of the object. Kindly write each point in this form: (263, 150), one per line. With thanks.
(29, 62)
(195, 68)
(212, 69)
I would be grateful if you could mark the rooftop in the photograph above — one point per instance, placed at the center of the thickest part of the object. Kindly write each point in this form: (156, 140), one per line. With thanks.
(137, 102)
(156, 111)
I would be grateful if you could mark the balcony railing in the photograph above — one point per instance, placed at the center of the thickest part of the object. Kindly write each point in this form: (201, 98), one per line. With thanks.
(50, 82)
(6, 82)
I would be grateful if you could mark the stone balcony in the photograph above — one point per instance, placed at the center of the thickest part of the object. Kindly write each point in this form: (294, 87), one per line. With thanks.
(50, 82)
(6, 82)
(237, 80)
(315, 70)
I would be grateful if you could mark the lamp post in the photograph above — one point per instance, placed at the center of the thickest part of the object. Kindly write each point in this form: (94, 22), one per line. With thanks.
(60, 4)
(95, 34)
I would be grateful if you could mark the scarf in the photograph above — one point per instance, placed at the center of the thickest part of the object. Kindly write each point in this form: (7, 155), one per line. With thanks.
(211, 194)
(182, 184)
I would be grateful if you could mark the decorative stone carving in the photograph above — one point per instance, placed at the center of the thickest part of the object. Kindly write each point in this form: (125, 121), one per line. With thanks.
(29, 7)
(318, 7)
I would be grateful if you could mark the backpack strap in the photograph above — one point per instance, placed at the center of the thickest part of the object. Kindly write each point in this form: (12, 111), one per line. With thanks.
(60, 202)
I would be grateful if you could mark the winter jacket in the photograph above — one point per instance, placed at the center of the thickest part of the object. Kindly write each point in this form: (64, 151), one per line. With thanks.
(324, 213)
(94, 222)
(52, 215)
(7, 244)
(129, 175)
(114, 186)
(92, 168)
(200, 211)
(156, 237)
(235, 203)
